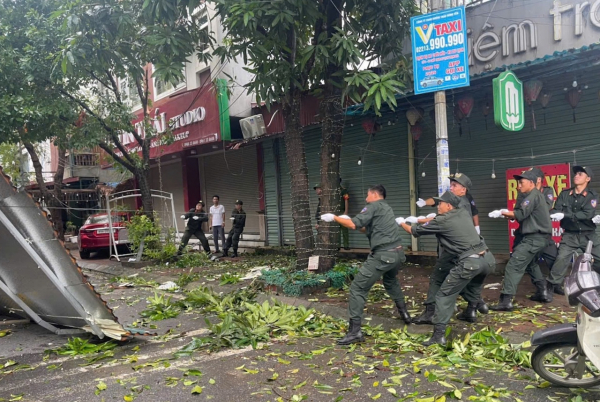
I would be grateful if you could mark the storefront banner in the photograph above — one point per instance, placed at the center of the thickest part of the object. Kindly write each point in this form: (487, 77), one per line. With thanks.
(193, 117)
(558, 177)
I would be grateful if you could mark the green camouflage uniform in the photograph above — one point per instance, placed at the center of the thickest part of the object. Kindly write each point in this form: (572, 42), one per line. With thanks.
(466, 252)
(386, 258)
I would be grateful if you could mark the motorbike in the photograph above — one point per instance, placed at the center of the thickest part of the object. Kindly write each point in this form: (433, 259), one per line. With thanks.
(568, 355)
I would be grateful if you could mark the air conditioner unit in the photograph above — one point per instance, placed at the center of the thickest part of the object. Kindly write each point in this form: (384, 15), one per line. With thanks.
(253, 126)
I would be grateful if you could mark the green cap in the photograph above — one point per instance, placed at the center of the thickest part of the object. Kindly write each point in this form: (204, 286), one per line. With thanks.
(528, 174)
(461, 179)
(318, 185)
(449, 198)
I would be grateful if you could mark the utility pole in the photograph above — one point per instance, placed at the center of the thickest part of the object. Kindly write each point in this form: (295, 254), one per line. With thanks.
(441, 129)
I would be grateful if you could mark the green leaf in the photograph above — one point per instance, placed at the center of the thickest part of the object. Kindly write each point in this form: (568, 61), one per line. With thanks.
(197, 390)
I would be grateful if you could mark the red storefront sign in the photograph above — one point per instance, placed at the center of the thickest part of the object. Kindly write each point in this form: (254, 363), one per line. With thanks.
(557, 177)
(193, 117)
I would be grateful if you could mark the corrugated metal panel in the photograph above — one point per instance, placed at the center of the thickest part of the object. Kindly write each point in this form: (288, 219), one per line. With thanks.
(272, 200)
(558, 134)
(233, 175)
(384, 161)
(172, 182)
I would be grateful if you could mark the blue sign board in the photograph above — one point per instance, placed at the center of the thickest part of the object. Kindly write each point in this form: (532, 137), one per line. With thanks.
(439, 50)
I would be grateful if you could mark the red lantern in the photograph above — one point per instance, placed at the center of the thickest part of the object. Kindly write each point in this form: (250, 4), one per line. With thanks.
(465, 104)
(573, 96)
(532, 89)
(370, 126)
(416, 131)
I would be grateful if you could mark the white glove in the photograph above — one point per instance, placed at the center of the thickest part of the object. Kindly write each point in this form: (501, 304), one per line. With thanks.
(557, 216)
(411, 219)
(430, 216)
(421, 203)
(596, 219)
(327, 217)
(182, 216)
(478, 230)
(421, 217)
(400, 221)
(195, 218)
(503, 210)
(344, 217)
(495, 214)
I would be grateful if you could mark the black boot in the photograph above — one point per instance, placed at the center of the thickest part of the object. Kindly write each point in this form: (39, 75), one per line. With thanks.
(543, 292)
(427, 316)
(354, 334)
(558, 289)
(225, 253)
(234, 255)
(401, 306)
(469, 314)
(439, 332)
(505, 303)
(482, 307)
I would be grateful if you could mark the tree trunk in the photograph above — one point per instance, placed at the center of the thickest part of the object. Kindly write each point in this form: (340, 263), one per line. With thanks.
(53, 199)
(299, 181)
(328, 235)
(143, 178)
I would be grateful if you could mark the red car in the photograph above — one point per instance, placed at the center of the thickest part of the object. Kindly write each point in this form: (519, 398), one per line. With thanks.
(94, 235)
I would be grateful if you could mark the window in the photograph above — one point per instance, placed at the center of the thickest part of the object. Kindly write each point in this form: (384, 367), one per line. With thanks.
(129, 93)
(162, 88)
(201, 13)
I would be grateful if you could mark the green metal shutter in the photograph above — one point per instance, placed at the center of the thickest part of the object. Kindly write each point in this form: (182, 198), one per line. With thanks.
(272, 201)
(385, 161)
(557, 135)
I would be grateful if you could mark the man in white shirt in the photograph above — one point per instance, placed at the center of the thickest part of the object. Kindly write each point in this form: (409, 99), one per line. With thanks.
(217, 222)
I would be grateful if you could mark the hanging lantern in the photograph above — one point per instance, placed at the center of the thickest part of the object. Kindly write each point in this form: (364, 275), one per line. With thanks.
(532, 89)
(370, 126)
(414, 114)
(458, 116)
(486, 111)
(544, 100)
(466, 107)
(416, 131)
(573, 96)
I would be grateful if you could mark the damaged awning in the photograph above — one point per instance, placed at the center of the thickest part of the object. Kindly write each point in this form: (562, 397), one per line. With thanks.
(38, 277)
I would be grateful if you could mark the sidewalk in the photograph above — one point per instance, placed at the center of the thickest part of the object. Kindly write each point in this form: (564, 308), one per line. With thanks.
(517, 326)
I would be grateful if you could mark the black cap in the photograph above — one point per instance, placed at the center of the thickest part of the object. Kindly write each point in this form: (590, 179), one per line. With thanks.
(461, 179)
(583, 169)
(528, 174)
(239, 202)
(200, 202)
(449, 198)
(539, 173)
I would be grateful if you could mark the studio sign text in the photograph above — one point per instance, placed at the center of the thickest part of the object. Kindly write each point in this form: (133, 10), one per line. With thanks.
(518, 38)
(160, 121)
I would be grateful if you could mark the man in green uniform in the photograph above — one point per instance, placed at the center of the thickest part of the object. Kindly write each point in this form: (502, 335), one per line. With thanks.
(575, 208)
(344, 198)
(238, 216)
(534, 219)
(459, 185)
(471, 260)
(549, 253)
(194, 227)
(387, 256)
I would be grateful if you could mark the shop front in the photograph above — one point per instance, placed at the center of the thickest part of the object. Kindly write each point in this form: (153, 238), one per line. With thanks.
(551, 48)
